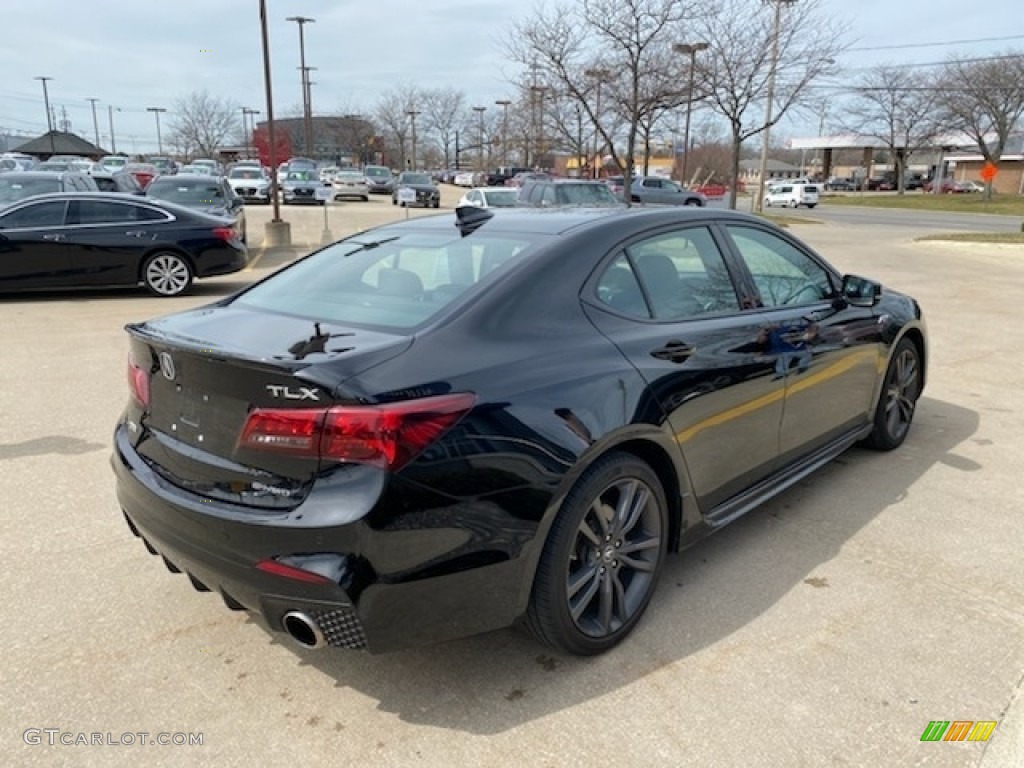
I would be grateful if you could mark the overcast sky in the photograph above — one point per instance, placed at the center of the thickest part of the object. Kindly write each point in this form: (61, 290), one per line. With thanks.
(133, 55)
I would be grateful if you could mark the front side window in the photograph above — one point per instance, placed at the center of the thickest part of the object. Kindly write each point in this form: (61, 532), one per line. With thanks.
(784, 275)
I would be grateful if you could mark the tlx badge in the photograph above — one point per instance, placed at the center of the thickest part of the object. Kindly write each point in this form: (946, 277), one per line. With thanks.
(287, 393)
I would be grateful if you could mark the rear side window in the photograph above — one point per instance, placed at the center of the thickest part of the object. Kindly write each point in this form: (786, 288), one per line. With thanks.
(389, 280)
(45, 214)
(677, 275)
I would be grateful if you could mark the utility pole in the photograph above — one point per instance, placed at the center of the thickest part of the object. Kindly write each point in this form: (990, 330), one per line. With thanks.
(307, 112)
(504, 104)
(95, 122)
(159, 140)
(600, 75)
(110, 120)
(774, 62)
(691, 49)
(308, 118)
(480, 135)
(49, 117)
(249, 128)
(539, 90)
(412, 113)
(278, 232)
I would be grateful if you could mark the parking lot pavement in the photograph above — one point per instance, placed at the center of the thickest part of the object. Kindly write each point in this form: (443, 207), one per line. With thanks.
(829, 627)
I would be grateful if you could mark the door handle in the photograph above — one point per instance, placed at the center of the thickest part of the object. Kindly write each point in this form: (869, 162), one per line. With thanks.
(54, 237)
(675, 351)
(134, 233)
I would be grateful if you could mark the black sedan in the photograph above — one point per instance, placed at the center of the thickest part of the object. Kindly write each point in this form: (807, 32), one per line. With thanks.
(212, 195)
(421, 190)
(97, 239)
(452, 424)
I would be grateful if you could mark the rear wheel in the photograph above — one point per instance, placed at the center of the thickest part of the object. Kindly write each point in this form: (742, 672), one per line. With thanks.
(900, 390)
(167, 274)
(601, 561)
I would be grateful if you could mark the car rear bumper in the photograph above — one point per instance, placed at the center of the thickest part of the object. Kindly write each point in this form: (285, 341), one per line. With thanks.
(365, 607)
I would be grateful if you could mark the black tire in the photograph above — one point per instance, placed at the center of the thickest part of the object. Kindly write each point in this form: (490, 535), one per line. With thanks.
(166, 273)
(437, 204)
(588, 594)
(393, 201)
(366, 198)
(897, 401)
(811, 205)
(693, 201)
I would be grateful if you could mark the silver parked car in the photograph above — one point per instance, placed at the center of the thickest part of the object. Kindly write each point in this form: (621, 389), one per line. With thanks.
(662, 191)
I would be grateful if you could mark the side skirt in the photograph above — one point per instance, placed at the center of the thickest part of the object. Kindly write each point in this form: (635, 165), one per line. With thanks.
(771, 486)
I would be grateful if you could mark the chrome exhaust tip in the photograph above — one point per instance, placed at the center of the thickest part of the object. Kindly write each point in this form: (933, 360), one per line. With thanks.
(303, 630)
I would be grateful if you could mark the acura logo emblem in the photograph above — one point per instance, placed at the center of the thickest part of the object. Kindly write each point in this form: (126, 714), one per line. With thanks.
(167, 366)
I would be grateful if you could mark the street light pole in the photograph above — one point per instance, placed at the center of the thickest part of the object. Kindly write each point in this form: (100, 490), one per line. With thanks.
(278, 232)
(692, 49)
(540, 90)
(759, 203)
(480, 133)
(307, 112)
(110, 120)
(504, 104)
(95, 122)
(412, 113)
(600, 75)
(159, 140)
(249, 128)
(49, 117)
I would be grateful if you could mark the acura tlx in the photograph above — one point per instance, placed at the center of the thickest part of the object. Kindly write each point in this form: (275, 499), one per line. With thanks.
(447, 425)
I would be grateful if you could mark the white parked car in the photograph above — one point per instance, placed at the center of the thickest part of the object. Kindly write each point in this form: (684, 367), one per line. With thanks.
(792, 195)
(490, 197)
(350, 182)
(250, 183)
(464, 179)
(328, 173)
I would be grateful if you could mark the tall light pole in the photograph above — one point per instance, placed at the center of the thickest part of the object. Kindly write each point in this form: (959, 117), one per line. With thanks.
(110, 121)
(600, 75)
(95, 122)
(159, 139)
(539, 90)
(412, 113)
(774, 63)
(504, 104)
(691, 49)
(49, 117)
(480, 135)
(278, 232)
(307, 113)
(249, 128)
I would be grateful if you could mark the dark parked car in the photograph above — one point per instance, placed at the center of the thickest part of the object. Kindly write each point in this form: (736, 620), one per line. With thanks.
(379, 179)
(429, 430)
(661, 191)
(102, 238)
(566, 192)
(427, 193)
(209, 194)
(116, 181)
(17, 185)
(840, 184)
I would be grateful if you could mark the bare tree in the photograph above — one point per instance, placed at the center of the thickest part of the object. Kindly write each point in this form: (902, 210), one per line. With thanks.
(392, 114)
(202, 122)
(630, 41)
(738, 67)
(985, 100)
(443, 112)
(896, 106)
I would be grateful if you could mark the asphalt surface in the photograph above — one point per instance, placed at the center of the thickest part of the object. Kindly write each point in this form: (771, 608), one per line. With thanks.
(826, 628)
(910, 221)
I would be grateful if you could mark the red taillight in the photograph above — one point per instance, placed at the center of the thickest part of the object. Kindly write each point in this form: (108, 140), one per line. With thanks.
(387, 435)
(138, 383)
(227, 234)
(291, 572)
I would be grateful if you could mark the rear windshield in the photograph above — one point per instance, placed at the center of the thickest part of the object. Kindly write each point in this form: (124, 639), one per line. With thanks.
(246, 173)
(377, 171)
(185, 191)
(13, 189)
(393, 279)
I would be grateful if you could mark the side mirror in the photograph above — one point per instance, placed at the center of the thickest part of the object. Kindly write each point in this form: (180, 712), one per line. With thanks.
(860, 292)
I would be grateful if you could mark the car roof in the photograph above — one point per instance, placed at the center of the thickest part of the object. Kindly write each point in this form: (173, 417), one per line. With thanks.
(558, 220)
(41, 174)
(179, 211)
